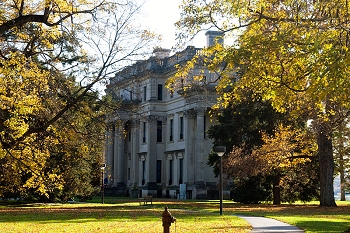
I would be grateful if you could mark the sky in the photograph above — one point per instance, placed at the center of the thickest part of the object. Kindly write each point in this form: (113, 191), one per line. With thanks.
(160, 16)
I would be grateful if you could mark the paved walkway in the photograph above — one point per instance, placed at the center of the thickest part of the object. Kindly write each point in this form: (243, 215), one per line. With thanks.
(261, 224)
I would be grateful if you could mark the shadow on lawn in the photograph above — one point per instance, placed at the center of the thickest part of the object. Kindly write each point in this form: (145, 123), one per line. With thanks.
(324, 226)
(119, 210)
(122, 211)
(314, 218)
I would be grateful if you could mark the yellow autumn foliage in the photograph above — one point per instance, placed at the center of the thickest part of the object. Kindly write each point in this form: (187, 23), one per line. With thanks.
(51, 119)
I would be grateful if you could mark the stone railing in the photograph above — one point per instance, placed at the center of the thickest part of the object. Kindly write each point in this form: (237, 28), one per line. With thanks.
(154, 64)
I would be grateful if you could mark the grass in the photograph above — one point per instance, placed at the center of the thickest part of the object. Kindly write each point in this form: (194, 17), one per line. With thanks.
(309, 217)
(126, 215)
(118, 215)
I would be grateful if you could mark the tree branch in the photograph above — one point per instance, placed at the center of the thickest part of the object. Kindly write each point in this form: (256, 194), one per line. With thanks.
(24, 19)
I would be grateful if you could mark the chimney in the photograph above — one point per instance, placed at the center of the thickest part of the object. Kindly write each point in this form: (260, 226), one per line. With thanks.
(214, 37)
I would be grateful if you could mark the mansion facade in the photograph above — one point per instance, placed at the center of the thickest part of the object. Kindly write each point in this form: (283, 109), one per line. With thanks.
(157, 141)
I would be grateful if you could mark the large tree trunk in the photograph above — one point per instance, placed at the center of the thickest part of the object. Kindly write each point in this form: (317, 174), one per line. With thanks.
(325, 152)
(342, 181)
(276, 190)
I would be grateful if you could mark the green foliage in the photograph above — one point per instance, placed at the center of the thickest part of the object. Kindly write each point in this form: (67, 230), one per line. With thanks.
(246, 121)
(300, 183)
(253, 190)
(261, 152)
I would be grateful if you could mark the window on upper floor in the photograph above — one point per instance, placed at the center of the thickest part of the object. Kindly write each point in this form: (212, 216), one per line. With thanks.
(160, 92)
(144, 93)
(181, 129)
(171, 130)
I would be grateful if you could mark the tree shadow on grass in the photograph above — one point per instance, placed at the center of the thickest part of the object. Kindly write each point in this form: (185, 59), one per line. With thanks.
(47, 213)
(323, 226)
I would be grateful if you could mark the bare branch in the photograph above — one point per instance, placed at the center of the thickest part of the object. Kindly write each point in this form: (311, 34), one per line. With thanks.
(24, 19)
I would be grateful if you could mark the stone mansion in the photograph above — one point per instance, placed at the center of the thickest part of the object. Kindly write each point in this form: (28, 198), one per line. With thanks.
(157, 142)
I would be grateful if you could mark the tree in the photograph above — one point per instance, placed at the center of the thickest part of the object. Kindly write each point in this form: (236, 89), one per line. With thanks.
(341, 152)
(61, 163)
(51, 117)
(294, 53)
(288, 157)
(263, 152)
(247, 121)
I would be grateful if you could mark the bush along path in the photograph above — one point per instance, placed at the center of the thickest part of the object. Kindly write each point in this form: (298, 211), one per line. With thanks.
(261, 224)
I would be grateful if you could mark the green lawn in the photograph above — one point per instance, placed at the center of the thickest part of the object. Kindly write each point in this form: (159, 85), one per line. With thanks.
(309, 217)
(126, 215)
(118, 215)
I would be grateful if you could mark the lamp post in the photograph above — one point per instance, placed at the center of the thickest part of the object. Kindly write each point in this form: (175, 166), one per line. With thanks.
(102, 184)
(220, 151)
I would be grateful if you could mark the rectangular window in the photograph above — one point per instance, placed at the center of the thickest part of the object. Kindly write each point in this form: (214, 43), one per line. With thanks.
(181, 128)
(144, 132)
(144, 93)
(181, 172)
(130, 95)
(159, 131)
(160, 92)
(171, 129)
(170, 172)
(143, 172)
(159, 171)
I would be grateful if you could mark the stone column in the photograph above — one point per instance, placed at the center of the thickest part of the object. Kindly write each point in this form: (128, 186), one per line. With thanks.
(121, 162)
(153, 88)
(142, 158)
(199, 145)
(152, 155)
(109, 154)
(180, 155)
(115, 157)
(189, 145)
(200, 192)
(169, 157)
(175, 169)
(134, 163)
